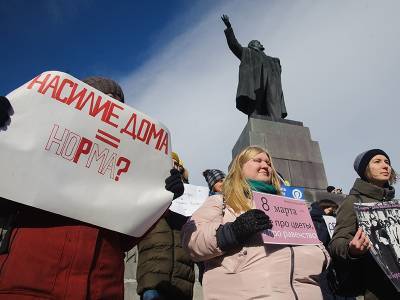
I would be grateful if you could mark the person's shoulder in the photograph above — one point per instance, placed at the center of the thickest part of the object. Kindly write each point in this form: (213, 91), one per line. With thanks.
(275, 60)
(211, 207)
(215, 199)
(347, 206)
(214, 202)
(349, 200)
(315, 211)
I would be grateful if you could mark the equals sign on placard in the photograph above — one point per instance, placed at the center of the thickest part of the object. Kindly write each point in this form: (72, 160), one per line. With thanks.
(107, 138)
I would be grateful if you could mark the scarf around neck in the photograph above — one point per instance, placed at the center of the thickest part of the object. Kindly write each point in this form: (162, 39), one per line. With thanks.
(261, 186)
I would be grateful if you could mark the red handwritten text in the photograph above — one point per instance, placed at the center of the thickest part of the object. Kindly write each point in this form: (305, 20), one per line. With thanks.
(77, 96)
(70, 146)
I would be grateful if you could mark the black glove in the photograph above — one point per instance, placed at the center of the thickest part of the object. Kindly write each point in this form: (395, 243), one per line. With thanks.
(174, 183)
(237, 233)
(6, 111)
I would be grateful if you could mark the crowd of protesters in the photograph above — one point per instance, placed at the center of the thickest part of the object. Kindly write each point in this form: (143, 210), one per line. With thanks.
(49, 256)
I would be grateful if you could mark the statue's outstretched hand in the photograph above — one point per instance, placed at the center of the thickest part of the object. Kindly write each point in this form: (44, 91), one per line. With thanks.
(225, 19)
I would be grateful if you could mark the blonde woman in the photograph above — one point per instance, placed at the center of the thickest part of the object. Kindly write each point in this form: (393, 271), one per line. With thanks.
(225, 233)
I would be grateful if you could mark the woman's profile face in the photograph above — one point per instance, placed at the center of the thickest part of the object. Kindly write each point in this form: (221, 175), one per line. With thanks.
(258, 168)
(378, 170)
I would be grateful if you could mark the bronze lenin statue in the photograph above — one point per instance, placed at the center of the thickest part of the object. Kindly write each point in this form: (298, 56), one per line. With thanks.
(259, 89)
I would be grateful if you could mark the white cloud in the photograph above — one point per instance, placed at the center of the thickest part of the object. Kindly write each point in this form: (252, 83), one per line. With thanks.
(340, 78)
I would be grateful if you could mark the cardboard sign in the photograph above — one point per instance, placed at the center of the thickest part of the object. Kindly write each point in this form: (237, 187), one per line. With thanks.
(381, 222)
(292, 224)
(193, 197)
(330, 224)
(77, 152)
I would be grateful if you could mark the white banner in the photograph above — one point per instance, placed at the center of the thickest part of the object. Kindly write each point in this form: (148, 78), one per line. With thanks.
(193, 197)
(75, 151)
(330, 224)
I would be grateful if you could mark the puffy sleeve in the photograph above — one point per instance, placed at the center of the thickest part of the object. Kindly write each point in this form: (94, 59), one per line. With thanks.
(345, 229)
(199, 233)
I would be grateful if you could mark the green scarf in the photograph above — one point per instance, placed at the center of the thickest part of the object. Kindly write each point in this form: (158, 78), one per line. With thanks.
(261, 186)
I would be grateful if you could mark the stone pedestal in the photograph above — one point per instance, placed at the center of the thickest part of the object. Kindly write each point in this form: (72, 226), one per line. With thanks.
(130, 275)
(295, 155)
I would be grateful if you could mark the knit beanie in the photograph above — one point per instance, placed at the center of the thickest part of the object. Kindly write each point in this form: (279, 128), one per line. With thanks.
(212, 176)
(330, 188)
(362, 160)
(105, 85)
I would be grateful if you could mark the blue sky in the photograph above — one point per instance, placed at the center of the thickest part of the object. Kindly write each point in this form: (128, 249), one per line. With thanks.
(81, 37)
(340, 67)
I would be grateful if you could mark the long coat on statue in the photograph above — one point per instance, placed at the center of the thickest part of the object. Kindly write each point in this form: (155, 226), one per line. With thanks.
(259, 88)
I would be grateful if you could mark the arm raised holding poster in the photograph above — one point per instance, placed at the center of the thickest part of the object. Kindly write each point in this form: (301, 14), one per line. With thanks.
(226, 233)
(74, 147)
(73, 180)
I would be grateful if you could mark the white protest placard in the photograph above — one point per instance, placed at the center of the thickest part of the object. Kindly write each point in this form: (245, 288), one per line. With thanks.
(193, 197)
(330, 224)
(75, 151)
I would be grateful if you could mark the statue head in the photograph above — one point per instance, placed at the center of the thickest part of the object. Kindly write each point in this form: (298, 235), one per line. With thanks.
(254, 44)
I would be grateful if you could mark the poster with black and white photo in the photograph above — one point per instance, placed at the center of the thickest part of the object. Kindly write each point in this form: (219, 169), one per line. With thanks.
(381, 222)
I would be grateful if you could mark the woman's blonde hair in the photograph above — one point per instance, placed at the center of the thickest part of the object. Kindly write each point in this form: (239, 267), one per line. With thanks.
(236, 190)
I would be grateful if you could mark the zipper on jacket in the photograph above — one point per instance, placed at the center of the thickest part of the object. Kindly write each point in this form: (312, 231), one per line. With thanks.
(292, 272)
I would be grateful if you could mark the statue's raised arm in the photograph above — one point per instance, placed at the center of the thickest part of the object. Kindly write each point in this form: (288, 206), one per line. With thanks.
(225, 19)
(233, 44)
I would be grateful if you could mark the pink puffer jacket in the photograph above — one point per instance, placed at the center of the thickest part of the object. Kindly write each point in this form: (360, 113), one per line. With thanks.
(257, 271)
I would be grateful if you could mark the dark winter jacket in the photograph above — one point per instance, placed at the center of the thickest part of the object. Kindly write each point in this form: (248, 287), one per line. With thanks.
(323, 234)
(53, 257)
(163, 264)
(376, 283)
(319, 223)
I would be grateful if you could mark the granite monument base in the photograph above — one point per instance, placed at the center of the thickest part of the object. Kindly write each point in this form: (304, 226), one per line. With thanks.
(295, 155)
